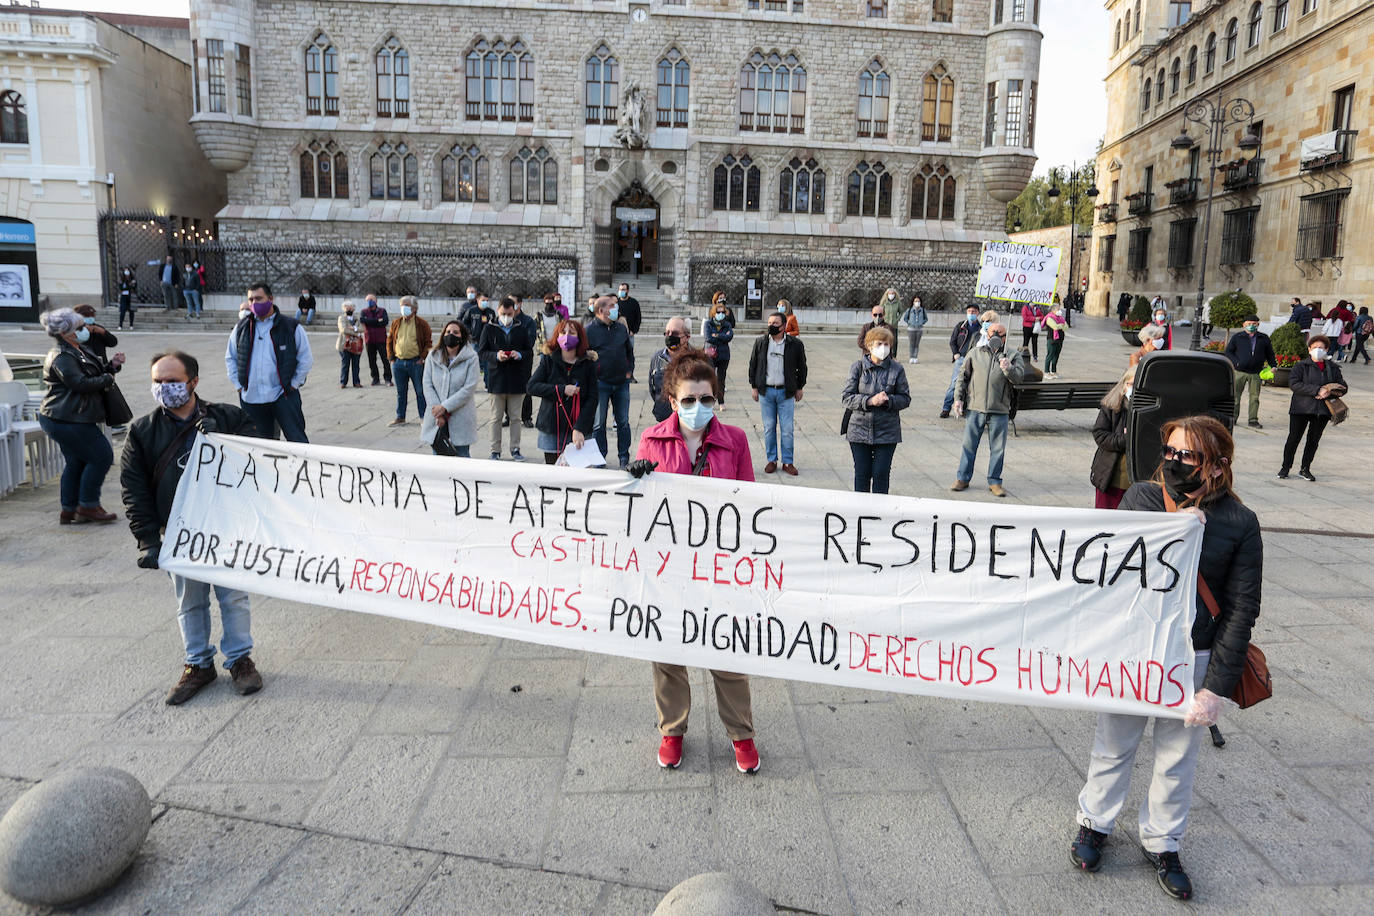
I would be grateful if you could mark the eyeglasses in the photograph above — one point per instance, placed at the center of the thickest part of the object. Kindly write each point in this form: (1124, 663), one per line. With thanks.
(690, 402)
(1186, 455)
(877, 314)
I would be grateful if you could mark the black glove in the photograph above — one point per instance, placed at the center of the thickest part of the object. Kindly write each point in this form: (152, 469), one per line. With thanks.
(149, 558)
(207, 425)
(641, 467)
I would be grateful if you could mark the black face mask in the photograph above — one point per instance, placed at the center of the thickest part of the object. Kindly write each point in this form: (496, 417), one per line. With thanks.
(996, 343)
(548, 308)
(452, 340)
(774, 329)
(1181, 479)
(672, 341)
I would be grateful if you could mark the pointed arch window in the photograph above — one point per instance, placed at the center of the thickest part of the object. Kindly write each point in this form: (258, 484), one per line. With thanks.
(533, 177)
(874, 90)
(736, 184)
(870, 191)
(393, 80)
(324, 171)
(603, 86)
(464, 176)
(499, 80)
(14, 118)
(674, 87)
(395, 173)
(772, 94)
(937, 108)
(933, 191)
(801, 187)
(321, 77)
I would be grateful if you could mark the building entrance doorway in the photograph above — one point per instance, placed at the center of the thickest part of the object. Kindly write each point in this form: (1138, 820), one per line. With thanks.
(634, 221)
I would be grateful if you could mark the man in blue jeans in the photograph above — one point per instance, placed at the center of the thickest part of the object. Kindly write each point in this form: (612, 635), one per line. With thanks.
(615, 365)
(985, 387)
(964, 336)
(777, 374)
(408, 342)
(268, 359)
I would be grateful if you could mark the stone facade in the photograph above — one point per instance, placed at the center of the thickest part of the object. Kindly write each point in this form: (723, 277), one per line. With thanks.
(1313, 233)
(675, 170)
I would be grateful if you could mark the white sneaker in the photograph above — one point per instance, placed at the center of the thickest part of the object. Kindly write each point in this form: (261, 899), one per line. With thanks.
(912, 360)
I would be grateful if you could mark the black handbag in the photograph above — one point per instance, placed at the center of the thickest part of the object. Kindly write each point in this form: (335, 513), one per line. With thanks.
(443, 445)
(117, 410)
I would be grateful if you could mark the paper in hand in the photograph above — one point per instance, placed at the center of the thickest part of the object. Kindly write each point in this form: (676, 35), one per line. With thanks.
(588, 456)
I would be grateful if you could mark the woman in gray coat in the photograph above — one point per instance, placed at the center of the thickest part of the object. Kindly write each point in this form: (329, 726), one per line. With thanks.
(875, 392)
(450, 385)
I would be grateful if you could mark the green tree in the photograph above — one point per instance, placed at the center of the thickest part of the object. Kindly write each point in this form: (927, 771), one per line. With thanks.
(1288, 342)
(1034, 208)
(1229, 309)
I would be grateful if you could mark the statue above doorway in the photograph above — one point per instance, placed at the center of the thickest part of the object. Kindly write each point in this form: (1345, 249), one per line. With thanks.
(629, 131)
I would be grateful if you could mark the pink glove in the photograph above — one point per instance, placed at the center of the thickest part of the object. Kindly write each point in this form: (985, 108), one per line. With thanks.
(1206, 708)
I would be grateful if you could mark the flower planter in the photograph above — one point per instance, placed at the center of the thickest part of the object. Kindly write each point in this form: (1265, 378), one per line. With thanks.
(1131, 336)
(1280, 379)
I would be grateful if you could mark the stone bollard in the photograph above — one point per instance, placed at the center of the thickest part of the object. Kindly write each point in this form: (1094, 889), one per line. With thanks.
(72, 835)
(716, 893)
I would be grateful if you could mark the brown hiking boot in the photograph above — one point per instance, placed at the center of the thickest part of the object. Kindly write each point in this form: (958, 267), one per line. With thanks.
(192, 679)
(245, 676)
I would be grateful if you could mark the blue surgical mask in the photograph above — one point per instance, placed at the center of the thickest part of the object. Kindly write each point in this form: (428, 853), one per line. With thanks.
(973, 319)
(622, 293)
(615, 313)
(83, 335)
(696, 417)
(782, 309)
(407, 311)
(986, 325)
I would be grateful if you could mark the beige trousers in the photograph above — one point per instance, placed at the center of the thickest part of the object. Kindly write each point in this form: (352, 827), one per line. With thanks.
(673, 699)
(505, 406)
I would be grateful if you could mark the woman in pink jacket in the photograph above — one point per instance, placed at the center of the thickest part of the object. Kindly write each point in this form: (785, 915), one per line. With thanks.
(694, 441)
(1032, 318)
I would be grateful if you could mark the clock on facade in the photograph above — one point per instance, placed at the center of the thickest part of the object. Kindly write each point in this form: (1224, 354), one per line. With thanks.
(640, 14)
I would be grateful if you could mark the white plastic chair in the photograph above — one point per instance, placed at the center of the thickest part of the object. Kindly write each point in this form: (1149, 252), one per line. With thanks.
(11, 470)
(45, 458)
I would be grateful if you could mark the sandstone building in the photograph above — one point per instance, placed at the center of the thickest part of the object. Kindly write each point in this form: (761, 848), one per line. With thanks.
(637, 138)
(1295, 221)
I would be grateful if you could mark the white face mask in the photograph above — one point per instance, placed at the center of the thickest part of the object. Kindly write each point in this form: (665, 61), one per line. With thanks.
(506, 319)
(1318, 353)
(1129, 389)
(880, 351)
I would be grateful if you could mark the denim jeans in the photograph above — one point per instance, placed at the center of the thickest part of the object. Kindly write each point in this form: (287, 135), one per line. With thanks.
(872, 466)
(995, 424)
(193, 615)
(613, 395)
(307, 317)
(88, 456)
(284, 415)
(410, 371)
(777, 409)
(347, 361)
(953, 381)
(194, 303)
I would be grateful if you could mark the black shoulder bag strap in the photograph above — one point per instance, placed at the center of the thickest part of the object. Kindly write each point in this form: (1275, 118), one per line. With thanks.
(173, 448)
(700, 465)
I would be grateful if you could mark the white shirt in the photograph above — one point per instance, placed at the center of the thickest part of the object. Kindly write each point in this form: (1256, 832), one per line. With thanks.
(775, 375)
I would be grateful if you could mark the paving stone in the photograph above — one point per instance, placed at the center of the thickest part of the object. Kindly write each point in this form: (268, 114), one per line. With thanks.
(486, 889)
(375, 790)
(536, 719)
(471, 801)
(35, 745)
(284, 803)
(653, 838)
(615, 742)
(324, 874)
(431, 691)
(890, 758)
(153, 765)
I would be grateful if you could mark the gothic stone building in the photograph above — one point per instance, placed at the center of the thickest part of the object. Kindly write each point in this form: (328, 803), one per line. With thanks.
(634, 136)
(1294, 221)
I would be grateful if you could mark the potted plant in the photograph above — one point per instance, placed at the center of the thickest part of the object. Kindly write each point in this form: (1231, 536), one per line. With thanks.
(1289, 348)
(1228, 310)
(1136, 318)
(1214, 346)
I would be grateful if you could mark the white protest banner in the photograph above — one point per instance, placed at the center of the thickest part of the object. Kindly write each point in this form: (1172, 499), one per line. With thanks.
(1017, 272)
(1018, 604)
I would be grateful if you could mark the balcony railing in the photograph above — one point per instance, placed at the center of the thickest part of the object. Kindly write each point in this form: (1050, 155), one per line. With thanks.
(1326, 150)
(870, 128)
(1140, 203)
(1106, 213)
(1183, 191)
(1245, 175)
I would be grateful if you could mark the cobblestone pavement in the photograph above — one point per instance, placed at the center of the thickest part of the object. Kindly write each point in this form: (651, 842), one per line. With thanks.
(389, 767)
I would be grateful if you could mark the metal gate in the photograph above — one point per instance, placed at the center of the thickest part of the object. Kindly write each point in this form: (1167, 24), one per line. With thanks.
(603, 255)
(833, 284)
(667, 258)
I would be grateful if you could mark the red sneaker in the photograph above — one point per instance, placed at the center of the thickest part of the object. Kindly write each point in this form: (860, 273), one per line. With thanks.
(746, 756)
(670, 751)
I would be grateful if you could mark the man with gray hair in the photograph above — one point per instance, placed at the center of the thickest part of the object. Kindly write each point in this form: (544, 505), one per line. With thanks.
(985, 388)
(407, 344)
(677, 336)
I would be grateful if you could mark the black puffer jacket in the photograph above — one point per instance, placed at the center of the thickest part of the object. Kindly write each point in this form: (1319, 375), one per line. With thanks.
(147, 494)
(76, 380)
(1232, 563)
(1109, 432)
(1306, 380)
(556, 408)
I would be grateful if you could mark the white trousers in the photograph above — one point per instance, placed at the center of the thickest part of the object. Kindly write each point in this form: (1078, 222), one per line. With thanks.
(1164, 812)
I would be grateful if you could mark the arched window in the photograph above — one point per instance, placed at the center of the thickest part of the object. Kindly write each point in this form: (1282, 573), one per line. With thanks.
(674, 87)
(1209, 54)
(500, 82)
(14, 119)
(870, 191)
(393, 80)
(932, 194)
(1159, 86)
(736, 184)
(937, 107)
(321, 77)
(464, 176)
(395, 173)
(1137, 18)
(1116, 37)
(533, 177)
(1175, 76)
(1280, 15)
(874, 87)
(324, 171)
(801, 187)
(942, 11)
(1232, 33)
(877, 9)
(1254, 25)
(1192, 65)
(772, 94)
(603, 86)
(1145, 97)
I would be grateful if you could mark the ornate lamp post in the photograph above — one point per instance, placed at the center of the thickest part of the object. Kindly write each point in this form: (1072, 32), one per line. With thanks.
(1214, 116)
(1076, 178)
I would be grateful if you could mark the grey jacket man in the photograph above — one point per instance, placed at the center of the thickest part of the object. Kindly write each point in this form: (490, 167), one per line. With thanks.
(984, 385)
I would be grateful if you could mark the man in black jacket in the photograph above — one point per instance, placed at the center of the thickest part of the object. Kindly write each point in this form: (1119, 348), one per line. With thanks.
(615, 366)
(777, 367)
(964, 336)
(507, 348)
(677, 335)
(153, 460)
(1302, 315)
(1249, 353)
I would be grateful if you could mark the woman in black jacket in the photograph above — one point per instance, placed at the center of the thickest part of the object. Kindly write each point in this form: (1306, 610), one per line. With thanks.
(1312, 382)
(1109, 474)
(71, 413)
(565, 383)
(1196, 472)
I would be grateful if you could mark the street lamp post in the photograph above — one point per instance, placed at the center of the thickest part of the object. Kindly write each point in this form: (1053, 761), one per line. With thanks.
(1213, 116)
(1075, 179)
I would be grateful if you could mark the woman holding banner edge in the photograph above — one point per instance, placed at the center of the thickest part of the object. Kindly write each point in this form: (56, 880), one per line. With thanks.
(694, 441)
(1195, 473)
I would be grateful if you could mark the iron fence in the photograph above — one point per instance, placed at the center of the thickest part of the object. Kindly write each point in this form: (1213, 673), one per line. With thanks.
(834, 284)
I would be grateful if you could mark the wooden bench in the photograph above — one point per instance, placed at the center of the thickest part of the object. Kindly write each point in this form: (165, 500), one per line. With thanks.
(1056, 395)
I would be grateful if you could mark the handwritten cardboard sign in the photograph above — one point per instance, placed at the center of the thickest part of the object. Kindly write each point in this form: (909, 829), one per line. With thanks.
(1017, 272)
(1073, 608)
